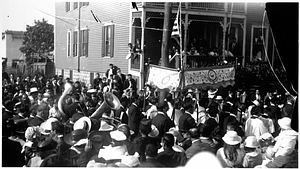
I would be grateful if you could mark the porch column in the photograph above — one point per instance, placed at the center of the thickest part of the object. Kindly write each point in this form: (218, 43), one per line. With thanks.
(244, 36)
(142, 64)
(224, 29)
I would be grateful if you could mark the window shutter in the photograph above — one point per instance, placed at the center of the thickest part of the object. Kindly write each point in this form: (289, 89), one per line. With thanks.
(103, 42)
(112, 40)
(87, 43)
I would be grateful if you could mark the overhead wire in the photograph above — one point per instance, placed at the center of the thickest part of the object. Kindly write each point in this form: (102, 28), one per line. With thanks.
(266, 53)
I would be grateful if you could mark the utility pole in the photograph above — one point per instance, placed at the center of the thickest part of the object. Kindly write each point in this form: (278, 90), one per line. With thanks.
(167, 30)
(79, 37)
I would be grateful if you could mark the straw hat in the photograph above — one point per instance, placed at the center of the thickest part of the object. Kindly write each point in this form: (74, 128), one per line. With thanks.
(83, 123)
(118, 135)
(154, 132)
(46, 126)
(266, 136)
(33, 90)
(285, 123)
(100, 137)
(92, 91)
(105, 127)
(251, 142)
(190, 91)
(219, 98)
(232, 138)
(211, 93)
(256, 103)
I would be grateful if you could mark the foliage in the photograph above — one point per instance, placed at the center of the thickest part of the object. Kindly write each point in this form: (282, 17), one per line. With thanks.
(38, 41)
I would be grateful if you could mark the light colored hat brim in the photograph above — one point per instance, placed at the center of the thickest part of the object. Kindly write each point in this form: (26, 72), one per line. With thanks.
(284, 125)
(82, 120)
(231, 142)
(154, 132)
(105, 127)
(118, 135)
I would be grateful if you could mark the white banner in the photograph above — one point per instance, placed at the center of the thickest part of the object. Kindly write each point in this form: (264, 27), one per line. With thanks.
(163, 78)
(209, 76)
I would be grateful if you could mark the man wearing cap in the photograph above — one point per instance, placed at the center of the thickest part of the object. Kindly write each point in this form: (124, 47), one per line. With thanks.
(33, 95)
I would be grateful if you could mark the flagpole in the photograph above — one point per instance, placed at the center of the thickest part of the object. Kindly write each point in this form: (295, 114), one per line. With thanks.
(180, 44)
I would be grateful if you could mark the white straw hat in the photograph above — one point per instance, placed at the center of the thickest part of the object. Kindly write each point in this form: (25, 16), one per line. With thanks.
(251, 142)
(232, 138)
(285, 123)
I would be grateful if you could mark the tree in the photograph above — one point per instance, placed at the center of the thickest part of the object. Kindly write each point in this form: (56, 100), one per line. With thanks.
(38, 41)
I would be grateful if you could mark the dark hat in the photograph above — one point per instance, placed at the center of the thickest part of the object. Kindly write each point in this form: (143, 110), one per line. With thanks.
(20, 125)
(47, 144)
(100, 137)
(76, 135)
(75, 117)
(9, 105)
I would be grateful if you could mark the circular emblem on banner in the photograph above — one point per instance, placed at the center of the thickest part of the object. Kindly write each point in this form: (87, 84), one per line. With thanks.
(165, 80)
(212, 76)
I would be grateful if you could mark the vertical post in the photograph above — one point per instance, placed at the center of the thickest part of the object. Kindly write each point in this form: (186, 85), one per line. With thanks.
(244, 36)
(224, 29)
(79, 37)
(142, 55)
(186, 26)
(167, 30)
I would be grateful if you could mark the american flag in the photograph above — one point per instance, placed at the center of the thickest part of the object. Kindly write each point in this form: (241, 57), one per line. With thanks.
(176, 29)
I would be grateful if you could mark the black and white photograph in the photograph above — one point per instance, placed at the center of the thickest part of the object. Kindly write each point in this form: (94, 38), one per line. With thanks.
(123, 84)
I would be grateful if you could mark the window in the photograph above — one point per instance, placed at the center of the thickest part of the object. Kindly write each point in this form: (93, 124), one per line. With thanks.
(85, 3)
(108, 40)
(69, 43)
(68, 6)
(75, 5)
(84, 42)
(258, 36)
(75, 43)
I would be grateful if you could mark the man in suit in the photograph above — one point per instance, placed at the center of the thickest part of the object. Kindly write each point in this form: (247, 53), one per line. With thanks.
(97, 81)
(197, 146)
(287, 110)
(275, 113)
(111, 71)
(234, 47)
(186, 121)
(130, 84)
(170, 158)
(134, 116)
(41, 116)
(161, 121)
(256, 96)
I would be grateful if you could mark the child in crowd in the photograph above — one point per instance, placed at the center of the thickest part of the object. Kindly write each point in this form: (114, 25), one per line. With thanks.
(252, 156)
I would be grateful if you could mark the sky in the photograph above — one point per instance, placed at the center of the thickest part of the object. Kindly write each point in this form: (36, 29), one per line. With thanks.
(16, 14)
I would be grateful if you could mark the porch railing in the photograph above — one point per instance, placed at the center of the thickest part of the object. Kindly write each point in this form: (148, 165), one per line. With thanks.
(197, 61)
(208, 6)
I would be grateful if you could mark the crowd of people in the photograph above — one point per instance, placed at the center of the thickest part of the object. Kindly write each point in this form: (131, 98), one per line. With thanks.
(110, 123)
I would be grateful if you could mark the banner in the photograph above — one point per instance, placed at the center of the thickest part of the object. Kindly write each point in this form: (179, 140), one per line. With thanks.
(221, 76)
(163, 78)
